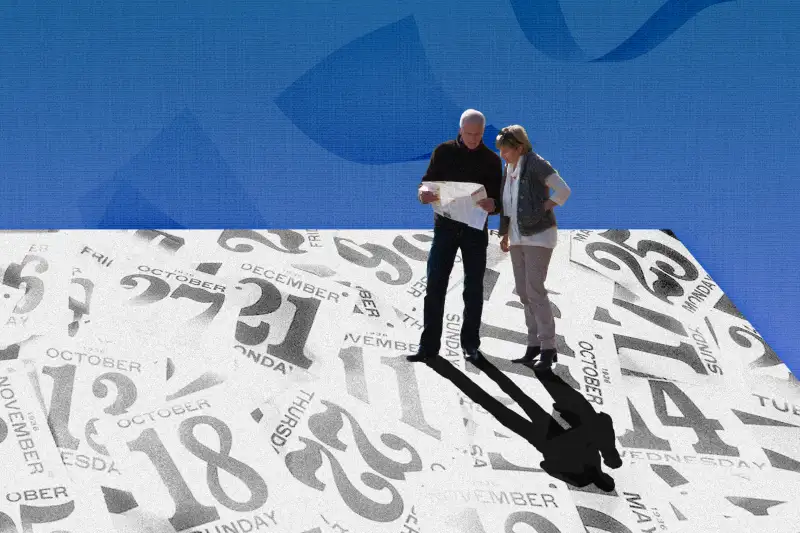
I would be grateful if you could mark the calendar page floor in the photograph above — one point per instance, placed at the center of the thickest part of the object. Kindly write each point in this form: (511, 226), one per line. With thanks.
(256, 380)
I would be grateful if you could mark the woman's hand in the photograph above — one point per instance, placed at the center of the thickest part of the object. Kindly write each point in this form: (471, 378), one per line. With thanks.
(504, 243)
(549, 204)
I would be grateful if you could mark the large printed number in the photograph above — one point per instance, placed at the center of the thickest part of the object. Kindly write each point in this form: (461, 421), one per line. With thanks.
(619, 237)
(290, 240)
(409, 250)
(377, 254)
(709, 442)
(216, 299)
(61, 403)
(685, 352)
(80, 308)
(269, 301)
(767, 359)
(665, 286)
(126, 392)
(303, 464)
(498, 462)
(642, 436)
(34, 287)
(35, 514)
(536, 521)
(408, 387)
(601, 521)
(517, 337)
(189, 512)
(490, 279)
(505, 365)
(158, 289)
(169, 243)
(325, 426)
(667, 322)
(470, 522)
(706, 428)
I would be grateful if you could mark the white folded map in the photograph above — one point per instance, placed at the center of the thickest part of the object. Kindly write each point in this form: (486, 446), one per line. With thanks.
(458, 201)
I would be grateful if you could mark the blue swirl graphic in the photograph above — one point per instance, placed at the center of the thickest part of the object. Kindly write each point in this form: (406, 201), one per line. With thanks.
(179, 174)
(543, 24)
(375, 100)
(127, 208)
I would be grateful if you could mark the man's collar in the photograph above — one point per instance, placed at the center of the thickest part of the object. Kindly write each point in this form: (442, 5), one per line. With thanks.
(460, 143)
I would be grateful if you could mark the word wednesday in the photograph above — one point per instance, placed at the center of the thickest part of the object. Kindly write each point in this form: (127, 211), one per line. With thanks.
(691, 459)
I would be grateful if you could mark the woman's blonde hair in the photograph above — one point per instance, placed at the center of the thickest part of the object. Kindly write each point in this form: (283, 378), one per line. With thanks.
(513, 136)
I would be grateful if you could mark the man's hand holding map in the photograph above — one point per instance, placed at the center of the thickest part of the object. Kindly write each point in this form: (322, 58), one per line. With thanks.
(458, 201)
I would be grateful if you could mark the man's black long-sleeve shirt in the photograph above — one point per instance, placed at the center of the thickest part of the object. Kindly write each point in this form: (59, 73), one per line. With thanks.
(453, 161)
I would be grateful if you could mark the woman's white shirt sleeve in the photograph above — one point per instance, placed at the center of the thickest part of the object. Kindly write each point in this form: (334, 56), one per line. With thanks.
(561, 190)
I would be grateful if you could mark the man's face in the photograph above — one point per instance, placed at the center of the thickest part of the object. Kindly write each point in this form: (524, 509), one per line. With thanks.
(472, 134)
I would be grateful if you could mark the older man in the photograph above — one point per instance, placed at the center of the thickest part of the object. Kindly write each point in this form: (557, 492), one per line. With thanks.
(465, 159)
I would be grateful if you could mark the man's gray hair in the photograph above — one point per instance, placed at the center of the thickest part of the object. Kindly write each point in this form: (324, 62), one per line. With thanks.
(472, 116)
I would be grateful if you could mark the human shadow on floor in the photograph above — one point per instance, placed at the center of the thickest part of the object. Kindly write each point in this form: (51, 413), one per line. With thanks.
(570, 454)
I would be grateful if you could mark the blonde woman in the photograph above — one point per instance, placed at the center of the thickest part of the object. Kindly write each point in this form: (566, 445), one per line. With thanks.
(528, 230)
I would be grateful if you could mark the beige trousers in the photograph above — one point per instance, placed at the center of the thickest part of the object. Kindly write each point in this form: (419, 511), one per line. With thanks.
(530, 265)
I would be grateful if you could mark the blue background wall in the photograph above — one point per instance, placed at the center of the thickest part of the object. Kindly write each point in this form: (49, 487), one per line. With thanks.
(679, 114)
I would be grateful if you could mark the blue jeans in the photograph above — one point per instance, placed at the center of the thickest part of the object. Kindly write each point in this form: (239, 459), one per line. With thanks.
(448, 237)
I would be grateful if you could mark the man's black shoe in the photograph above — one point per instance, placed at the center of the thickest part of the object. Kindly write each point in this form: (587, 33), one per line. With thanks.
(473, 355)
(530, 355)
(420, 357)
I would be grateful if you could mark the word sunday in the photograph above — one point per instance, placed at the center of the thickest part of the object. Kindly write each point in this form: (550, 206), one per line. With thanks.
(244, 525)
(703, 347)
(452, 328)
(263, 359)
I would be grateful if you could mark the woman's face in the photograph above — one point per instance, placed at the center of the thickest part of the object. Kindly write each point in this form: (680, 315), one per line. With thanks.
(511, 155)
